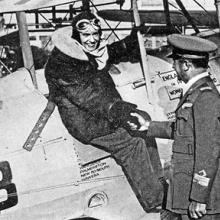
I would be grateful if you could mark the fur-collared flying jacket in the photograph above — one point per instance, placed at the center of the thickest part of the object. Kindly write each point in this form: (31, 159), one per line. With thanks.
(83, 93)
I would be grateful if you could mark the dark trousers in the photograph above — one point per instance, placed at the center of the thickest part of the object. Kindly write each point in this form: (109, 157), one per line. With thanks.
(168, 215)
(206, 217)
(140, 162)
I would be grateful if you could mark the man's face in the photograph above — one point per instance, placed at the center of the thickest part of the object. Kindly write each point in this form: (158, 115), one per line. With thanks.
(90, 38)
(179, 66)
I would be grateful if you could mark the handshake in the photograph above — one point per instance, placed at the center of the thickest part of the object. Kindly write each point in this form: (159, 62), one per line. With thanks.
(143, 124)
(127, 115)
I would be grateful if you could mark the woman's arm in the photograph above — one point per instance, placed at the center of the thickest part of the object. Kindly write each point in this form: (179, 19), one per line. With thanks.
(125, 50)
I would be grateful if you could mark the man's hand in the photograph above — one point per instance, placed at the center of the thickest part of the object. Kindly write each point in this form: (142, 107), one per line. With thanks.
(197, 210)
(144, 124)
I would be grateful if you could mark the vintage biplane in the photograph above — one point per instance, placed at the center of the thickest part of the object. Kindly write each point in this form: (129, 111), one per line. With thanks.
(45, 172)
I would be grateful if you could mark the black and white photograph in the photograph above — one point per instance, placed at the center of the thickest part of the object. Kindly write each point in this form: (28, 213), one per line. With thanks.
(109, 110)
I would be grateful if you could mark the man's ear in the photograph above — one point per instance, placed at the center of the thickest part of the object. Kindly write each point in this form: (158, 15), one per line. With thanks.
(186, 65)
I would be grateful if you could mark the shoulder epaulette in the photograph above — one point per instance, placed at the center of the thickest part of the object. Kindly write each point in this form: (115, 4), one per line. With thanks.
(205, 88)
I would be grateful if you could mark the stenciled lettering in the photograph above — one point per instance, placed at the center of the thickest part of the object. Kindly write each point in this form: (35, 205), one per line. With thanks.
(175, 91)
(169, 77)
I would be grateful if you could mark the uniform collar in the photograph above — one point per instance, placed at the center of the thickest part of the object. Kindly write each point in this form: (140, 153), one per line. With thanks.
(192, 81)
(196, 84)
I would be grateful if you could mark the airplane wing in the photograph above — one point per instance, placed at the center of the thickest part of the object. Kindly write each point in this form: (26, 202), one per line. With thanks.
(25, 5)
(158, 17)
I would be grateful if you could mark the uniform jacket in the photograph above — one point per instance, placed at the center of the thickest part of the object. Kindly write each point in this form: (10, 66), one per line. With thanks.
(196, 147)
(83, 93)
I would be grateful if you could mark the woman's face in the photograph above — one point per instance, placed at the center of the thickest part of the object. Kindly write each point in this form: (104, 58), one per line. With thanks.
(90, 38)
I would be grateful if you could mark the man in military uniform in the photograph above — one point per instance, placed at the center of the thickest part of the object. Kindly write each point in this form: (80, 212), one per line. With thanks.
(194, 190)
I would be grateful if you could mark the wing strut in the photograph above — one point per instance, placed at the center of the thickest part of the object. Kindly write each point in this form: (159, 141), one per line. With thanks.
(145, 67)
(217, 3)
(167, 13)
(38, 127)
(187, 15)
(25, 46)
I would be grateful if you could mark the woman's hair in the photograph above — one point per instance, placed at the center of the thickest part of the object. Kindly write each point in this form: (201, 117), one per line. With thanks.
(83, 15)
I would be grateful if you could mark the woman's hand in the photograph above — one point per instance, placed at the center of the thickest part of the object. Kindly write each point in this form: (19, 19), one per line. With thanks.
(144, 124)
